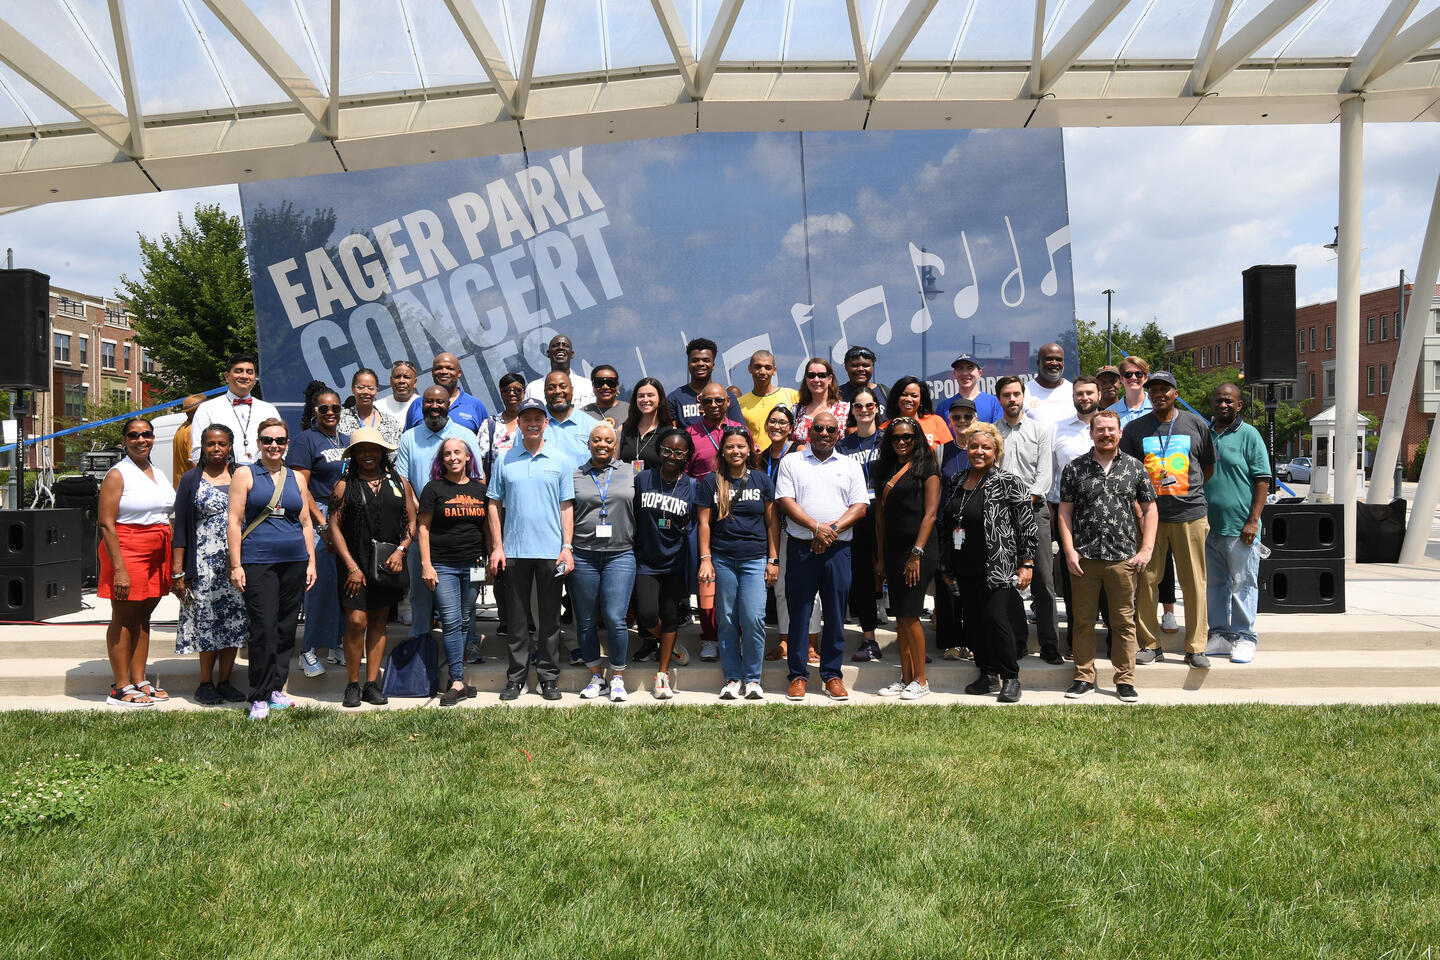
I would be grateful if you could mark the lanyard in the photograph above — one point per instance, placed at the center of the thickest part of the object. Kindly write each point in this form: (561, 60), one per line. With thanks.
(706, 431)
(1169, 434)
(865, 461)
(609, 475)
(773, 462)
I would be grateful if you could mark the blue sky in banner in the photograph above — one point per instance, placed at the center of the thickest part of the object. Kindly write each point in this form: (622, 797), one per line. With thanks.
(753, 240)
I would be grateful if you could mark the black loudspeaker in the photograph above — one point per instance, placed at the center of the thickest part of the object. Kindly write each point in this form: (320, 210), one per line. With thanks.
(1269, 324)
(1303, 531)
(30, 537)
(1302, 586)
(39, 591)
(1379, 531)
(25, 318)
(83, 493)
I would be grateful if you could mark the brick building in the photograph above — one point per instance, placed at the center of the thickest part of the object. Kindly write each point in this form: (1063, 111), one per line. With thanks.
(1215, 348)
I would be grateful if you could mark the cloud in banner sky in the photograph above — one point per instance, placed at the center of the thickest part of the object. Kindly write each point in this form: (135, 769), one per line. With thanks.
(815, 227)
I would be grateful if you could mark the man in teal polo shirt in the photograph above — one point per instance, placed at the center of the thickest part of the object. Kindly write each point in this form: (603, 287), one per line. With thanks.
(533, 488)
(1234, 495)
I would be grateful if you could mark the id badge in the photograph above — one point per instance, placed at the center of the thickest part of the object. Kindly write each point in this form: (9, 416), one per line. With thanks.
(477, 574)
(1168, 480)
(870, 495)
(603, 531)
(958, 538)
(663, 523)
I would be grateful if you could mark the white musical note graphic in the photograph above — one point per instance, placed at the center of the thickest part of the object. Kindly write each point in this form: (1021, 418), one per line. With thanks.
(967, 301)
(858, 303)
(800, 314)
(1017, 273)
(641, 357)
(1050, 283)
(921, 259)
(742, 352)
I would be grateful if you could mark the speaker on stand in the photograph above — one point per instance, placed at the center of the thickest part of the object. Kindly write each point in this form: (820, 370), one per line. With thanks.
(25, 361)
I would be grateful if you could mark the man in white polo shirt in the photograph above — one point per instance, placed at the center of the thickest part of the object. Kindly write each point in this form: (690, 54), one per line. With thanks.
(822, 495)
(236, 409)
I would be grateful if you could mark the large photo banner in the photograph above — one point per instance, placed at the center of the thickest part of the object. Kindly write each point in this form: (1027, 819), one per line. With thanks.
(921, 245)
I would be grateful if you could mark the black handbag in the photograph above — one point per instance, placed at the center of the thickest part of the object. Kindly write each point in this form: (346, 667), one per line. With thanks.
(377, 575)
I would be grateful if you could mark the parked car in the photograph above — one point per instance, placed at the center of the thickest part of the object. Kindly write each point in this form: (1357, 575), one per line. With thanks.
(1297, 470)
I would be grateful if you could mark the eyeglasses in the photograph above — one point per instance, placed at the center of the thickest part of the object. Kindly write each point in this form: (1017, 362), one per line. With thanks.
(274, 441)
(817, 376)
(611, 382)
(862, 406)
(962, 417)
(1133, 375)
(140, 435)
(903, 438)
(328, 408)
(816, 428)
(674, 454)
(710, 401)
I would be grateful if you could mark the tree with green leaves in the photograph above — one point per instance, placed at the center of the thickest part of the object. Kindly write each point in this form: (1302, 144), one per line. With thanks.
(192, 301)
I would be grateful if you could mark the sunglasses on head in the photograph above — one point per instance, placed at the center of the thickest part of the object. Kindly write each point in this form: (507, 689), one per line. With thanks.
(605, 381)
(140, 435)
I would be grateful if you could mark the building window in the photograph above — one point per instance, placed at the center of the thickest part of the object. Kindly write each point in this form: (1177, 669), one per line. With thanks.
(126, 348)
(62, 348)
(1384, 326)
(1384, 378)
(1329, 338)
(1311, 395)
(1301, 348)
(84, 351)
(74, 401)
(1371, 325)
(107, 355)
(1312, 339)
(1230, 352)
(1370, 376)
(147, 362)
(1435, 384)
(1329, 384)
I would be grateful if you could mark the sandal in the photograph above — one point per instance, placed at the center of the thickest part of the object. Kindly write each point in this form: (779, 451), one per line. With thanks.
(778, 652)
(128, 696)
(151, 691)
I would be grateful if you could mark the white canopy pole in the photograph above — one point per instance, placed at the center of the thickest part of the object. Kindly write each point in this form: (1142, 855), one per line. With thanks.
(1347, 312)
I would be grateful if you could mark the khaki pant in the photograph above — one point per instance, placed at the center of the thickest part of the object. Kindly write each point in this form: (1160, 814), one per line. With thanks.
(1187, 541)
(1118, 581)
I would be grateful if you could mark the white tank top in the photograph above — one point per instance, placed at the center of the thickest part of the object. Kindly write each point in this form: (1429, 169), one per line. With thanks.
(143, 500)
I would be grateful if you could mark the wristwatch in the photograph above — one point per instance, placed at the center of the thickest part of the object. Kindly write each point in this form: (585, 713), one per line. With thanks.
(917, 551)
(773, 561)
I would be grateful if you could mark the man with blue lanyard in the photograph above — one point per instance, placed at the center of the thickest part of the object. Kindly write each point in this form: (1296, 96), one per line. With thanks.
(466, 410)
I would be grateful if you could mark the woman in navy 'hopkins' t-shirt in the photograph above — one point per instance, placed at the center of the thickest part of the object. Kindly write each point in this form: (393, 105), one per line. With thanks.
(664, 510)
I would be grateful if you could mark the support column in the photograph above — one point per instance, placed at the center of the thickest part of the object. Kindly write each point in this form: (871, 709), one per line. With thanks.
(1407, 362)
(1347, 313)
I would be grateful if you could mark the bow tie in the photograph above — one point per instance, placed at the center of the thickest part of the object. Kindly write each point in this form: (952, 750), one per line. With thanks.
(243, 401)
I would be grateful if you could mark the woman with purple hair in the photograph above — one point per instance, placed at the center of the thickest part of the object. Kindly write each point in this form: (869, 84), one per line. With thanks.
(453, 548)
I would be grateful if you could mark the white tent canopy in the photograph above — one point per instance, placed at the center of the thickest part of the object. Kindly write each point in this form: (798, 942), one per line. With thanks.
(107, 97)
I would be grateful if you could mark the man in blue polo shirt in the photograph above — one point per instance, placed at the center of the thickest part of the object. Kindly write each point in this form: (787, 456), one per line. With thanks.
(466, 410)
(534, 489)
(413, 460)
(569, 425)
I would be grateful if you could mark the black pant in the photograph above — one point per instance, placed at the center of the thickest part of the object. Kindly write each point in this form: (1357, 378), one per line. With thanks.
(1167, 582)
(658, 599)
(862, 573)
(273, 592)
(988, 615)
(522, 576)
(1042, 591)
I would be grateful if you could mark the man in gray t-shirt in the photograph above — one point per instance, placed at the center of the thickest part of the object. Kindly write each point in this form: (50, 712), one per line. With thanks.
(1179, 456)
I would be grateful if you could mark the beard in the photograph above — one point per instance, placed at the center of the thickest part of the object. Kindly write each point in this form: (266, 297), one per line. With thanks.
(437, 422)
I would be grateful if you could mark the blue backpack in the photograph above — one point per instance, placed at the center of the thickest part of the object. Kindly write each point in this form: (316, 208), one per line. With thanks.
(412, 669)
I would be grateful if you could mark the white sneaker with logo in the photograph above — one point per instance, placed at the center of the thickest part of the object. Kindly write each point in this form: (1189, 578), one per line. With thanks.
(731, 690)
(661, 690)
(617, 689)
(596, 687)
(1243, 651)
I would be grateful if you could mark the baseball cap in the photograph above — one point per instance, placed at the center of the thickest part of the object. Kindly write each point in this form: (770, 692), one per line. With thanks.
(967, 358)
(962, 403)
(1107, 369)
(1162, 376)
(530, 403)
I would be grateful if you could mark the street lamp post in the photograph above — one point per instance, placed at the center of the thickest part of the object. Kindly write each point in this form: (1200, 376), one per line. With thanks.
(1109, 296)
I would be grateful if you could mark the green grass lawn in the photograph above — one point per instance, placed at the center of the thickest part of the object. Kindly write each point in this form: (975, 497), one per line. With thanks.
(698, 832)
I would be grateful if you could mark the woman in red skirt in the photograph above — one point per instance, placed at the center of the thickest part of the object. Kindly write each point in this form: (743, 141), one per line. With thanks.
(136, 501)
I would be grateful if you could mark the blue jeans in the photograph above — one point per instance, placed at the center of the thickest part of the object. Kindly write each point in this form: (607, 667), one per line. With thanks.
(600, 585)
(324, 623)
(455, 599)
(828, 574)
(740, 616)
(1232, 586)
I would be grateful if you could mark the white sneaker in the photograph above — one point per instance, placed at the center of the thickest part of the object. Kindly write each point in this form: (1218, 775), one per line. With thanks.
(311, 664)
(259, 709)
(731, 690)
(1217, 646)
(596, 687)
(753, 691)
(679, 656)
(617, 689)
(894, 690)
(915, 690)
(709, 651)
(1243, 651)
(661, 690)
(336, 656)
(1168, 623)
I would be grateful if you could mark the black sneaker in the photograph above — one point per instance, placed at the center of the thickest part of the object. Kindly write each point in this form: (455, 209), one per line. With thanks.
(1051, 655)
(549, 691)
(1126, 693)
(1197, 660)
(451, 696)
(649, 646)
(1150, 656)
(352, 695)
(207, 694)
(228, 692)
(512, 691)
(1078, 689)
(1009, 691)
(372, 694)
(985, 685)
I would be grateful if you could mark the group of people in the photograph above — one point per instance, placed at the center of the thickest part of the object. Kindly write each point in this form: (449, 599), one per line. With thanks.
(838, 492)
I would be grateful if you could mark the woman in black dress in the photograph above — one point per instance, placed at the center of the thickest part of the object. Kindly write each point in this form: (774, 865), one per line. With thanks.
(367, 508)
(907, 488)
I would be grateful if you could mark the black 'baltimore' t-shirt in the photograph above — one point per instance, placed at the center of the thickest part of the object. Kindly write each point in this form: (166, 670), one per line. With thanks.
(457, 521)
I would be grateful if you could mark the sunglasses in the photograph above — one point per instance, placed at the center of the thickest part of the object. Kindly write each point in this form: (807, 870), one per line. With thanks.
(816, 428)
(817, 376)
(611, 382)
(862, 406)
(711, 401)
(274, 441)
(140, 435)
(328, 408)
(903, 438)
(861, 355)
(1133, 375)
(962, 417)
